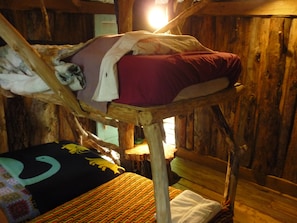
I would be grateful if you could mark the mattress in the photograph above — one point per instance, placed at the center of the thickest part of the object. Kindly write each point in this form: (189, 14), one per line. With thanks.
(127, 198)
(149, 80)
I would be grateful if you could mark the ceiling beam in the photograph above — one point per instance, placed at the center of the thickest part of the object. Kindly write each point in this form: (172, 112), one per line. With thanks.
(251, 8)
(69, 6)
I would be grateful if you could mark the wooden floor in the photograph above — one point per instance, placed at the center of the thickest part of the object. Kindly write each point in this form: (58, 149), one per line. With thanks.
(253, 203)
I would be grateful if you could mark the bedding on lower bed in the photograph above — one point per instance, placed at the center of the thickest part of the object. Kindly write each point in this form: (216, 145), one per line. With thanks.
(38, 179)
(130, 198)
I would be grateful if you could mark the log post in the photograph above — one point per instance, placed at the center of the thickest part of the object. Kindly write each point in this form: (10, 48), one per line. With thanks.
(126, 141)
(3, 132)
(234, 155)
(153, 135)
(125, 15)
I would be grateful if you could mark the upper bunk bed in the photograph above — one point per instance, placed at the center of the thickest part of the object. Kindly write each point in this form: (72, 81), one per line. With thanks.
(145, 114)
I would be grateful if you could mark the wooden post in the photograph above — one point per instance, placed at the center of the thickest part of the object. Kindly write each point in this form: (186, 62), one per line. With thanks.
(3, 132)
(234, 154)
(159, 171)
(126, 141)
(125, 15)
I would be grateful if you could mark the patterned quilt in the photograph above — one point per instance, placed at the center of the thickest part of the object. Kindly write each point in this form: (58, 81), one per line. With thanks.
(15, 200)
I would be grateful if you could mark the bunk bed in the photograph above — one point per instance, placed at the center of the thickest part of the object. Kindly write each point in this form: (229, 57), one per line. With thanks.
(126, 115)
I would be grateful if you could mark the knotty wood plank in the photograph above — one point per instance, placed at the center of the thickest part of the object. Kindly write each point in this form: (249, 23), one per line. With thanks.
(251, 8)
(202, 129)
(268, 114)
(125, 20)
(190, 131)
(3, 133)
(290, 170)
(72, 6)
(44, 120)
(180, 130)
(288, 166)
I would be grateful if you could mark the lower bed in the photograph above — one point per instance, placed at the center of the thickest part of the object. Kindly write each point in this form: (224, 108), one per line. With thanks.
(130, 198)
(39, 178)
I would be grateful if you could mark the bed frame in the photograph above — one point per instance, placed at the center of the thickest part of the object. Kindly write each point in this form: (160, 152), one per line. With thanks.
(126, 117)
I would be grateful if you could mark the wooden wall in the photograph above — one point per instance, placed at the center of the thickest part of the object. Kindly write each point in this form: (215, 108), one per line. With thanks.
(266, 112)
(265, 117)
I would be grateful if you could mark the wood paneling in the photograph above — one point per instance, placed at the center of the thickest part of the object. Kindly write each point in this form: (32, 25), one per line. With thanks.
(265, 116)
(251, 8)
(262, 33)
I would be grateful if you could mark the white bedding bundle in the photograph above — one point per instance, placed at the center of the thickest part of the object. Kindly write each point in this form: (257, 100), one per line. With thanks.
(191, 207)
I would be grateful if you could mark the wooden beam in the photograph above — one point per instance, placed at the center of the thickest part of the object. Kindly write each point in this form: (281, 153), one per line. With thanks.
(125, 19)
(251, 8)
(71, 6)
(3, 131)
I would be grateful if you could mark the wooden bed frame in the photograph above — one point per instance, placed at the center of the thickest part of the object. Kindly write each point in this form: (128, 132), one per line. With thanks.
(126, 117)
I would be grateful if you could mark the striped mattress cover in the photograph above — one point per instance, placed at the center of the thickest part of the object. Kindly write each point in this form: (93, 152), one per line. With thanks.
(127, 198)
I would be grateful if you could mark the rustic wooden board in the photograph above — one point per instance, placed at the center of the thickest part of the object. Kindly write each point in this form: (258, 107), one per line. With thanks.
(180, 132)
(251, 8)
(3, 131)
(287, 142)
(73, 6)
(202, 130)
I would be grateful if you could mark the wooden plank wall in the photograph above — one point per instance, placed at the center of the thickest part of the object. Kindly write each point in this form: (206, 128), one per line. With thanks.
(265, 117)
(267, 111)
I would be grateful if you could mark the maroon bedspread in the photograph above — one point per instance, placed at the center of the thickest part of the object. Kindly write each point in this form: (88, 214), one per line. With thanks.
(147, 80)
(157, 79)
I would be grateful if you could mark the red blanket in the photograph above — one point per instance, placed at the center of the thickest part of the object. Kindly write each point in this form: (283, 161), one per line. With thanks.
(147, 80)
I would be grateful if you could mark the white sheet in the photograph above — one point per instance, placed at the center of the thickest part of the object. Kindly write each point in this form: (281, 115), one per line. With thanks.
(191, 207)
(203, 89)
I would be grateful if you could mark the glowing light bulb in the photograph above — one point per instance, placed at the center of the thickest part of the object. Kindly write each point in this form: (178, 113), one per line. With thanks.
(158, 17)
